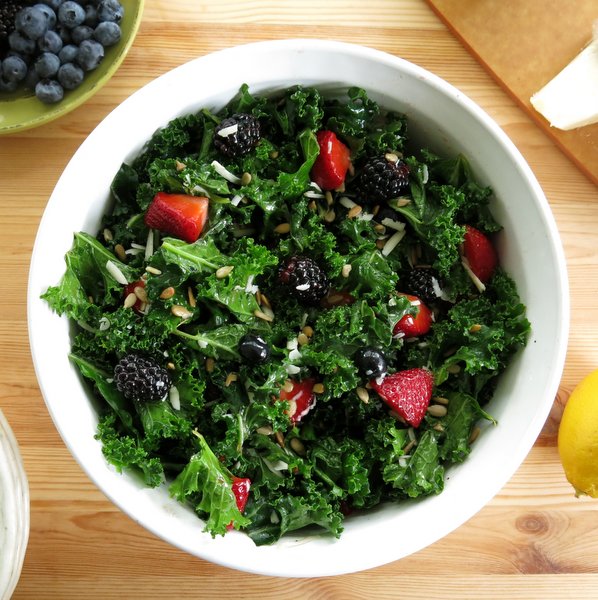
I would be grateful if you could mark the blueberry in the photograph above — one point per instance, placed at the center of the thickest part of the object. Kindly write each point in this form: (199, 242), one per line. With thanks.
(71, 14)
(50, 42)
(64, 33)
(31, 80)
(14, 69)
(254, 349)
(31, 22)
(53, 4)
(91, 15)
(47, 65)
(107, 33)
(68, 53)
(49, 91)
(371, 362)
(21, 44)
(90, 55)
(80, 33)
(70, 76)
(48, 13)
(7, 86)
(110, 10)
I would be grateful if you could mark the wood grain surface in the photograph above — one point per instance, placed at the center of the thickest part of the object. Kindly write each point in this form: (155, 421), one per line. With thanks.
(533, 540)
(524, 44)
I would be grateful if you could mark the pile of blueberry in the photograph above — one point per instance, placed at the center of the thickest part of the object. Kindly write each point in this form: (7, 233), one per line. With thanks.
(54, 43)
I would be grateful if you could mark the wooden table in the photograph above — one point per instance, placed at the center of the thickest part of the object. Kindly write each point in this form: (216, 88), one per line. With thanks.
(534, 540)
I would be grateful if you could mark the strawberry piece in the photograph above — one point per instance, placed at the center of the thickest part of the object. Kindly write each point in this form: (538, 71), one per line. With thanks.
(179, 215)
(407, 392)
(301, 399)
(414, 325)
(130, 289)
(331, 165)
(240, 487)
(480, 253)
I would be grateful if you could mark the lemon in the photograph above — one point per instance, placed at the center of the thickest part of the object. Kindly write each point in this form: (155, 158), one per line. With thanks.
(578, 437)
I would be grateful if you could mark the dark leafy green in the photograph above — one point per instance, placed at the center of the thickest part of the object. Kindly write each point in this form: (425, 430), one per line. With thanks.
(223, 417)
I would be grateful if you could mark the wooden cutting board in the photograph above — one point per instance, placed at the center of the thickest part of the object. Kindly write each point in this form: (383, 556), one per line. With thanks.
(524, 44)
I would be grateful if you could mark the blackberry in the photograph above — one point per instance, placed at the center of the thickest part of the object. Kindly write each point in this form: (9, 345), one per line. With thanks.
(8, 12)
(141, 378)
(236, 142)
(382, 179)
(423, 283)
(304, 279)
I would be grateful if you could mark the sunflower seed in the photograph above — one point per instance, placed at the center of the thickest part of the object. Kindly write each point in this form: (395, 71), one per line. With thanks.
(346, 270)
(191, 297)
(140, 292)
(354, 211)
(440, 400)
(262, 315)
(363, 394)
(180, 311)
(475, 432)
(297, 445)
(283, 228)
(302, 339)
(264, 430)
(437, 410)
(167, 293)
(230, 378)
(120, 252)
(308, 330)
(318, 388)
(223, 272)
(130, 300)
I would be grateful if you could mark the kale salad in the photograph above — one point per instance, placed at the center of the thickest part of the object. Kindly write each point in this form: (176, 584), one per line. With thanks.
(289, 314)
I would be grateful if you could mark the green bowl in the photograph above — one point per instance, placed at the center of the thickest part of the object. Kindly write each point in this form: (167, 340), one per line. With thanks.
(22, 110)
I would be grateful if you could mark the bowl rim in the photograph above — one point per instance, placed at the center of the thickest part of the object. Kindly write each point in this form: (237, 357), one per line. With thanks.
(14, 509)
(513, 460)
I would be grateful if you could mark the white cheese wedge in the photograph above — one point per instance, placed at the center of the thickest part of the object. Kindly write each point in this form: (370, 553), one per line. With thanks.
(570, 100)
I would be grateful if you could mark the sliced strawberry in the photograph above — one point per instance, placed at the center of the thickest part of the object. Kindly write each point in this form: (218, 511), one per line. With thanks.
(240, 487)
(130, 289)
(301, 399)
(179, 215)
(480, 253)
(414, 325)
(330, 168)
(407, 392)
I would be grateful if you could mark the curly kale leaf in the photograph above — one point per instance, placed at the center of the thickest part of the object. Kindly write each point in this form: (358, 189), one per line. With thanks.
(207, 485)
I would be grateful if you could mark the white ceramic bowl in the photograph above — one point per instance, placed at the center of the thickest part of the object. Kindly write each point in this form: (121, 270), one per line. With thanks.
(14, 510)
(442, 118)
